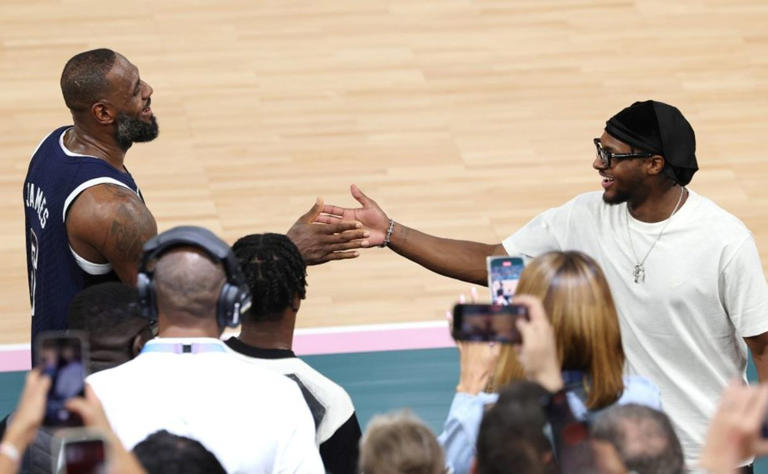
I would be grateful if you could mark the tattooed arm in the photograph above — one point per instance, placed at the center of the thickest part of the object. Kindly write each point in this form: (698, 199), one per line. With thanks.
(109, 223)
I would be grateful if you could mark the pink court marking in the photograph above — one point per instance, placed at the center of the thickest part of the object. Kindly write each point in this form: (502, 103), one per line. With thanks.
(385, 337)
(312, 341)
(14, 358)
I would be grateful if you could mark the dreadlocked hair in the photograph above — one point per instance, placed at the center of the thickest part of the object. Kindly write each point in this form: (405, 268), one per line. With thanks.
(274, 271)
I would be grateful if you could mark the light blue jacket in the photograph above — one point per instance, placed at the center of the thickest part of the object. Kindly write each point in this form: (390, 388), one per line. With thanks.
(459, 435)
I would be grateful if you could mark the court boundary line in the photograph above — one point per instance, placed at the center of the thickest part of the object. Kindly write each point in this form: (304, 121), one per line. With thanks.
(314, 341)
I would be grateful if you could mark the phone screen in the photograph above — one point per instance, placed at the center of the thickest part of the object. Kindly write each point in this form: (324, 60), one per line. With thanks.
(503, 275)
(62, 357)
(85, 456)
(484, 322)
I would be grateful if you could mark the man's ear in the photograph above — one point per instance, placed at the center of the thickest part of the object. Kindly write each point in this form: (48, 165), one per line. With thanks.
(473, 469)
(296, 304)
(139, 340)
(655, 164)
(103, 112)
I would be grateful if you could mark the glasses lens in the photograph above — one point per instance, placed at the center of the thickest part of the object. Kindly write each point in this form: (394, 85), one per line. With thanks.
(602, 154)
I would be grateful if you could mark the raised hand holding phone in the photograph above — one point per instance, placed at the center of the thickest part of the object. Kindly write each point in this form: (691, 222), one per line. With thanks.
(25, 421)
(477, 363)
(735, 431)
(503, 274)
(538, 351)
(62, 356)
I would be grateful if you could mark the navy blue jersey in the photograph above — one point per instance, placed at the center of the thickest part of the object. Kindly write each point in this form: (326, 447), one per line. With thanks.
(55, 177)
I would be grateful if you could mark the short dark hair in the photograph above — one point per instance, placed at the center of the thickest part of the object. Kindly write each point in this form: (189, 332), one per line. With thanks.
(110, 313)
(84, 78)
(511, 437)
(166, 453)
(101, 307)
(643, 437)
(275, 272)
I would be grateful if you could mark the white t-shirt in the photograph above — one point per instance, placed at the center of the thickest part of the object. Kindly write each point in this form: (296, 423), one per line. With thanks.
(252, 419)
(704, 291)
(336, 405)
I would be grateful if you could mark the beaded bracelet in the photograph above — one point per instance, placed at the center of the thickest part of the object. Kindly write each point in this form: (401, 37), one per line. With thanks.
(388, 237)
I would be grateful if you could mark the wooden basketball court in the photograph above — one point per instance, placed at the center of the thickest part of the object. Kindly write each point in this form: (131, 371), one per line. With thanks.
(461, 118)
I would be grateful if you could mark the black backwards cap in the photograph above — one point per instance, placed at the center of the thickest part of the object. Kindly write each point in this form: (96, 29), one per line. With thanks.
(661, 129)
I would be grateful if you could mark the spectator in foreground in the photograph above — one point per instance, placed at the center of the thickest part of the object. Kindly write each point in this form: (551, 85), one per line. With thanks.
(531, 428)
(185, 380)
(400, 443)
(276, 275)
(511, 436)
(166, 453)
(577, 301)
(643, 437)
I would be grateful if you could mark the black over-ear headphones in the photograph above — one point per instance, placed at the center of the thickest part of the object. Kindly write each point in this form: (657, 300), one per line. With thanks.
(235, 297)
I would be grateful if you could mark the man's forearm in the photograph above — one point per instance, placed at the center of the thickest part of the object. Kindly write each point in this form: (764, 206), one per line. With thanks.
(761, 364)
(460, 259)
(758, 347)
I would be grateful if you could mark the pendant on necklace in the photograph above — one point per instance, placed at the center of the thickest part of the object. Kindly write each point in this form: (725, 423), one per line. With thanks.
(639, 273)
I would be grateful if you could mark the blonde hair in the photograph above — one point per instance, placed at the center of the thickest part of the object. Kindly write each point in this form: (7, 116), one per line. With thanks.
(400, 443)
(580, 307)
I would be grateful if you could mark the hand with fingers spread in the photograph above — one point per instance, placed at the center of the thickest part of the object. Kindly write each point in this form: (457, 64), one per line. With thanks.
(335, 240)
(538, 351)
(370, 215)
(735, 432)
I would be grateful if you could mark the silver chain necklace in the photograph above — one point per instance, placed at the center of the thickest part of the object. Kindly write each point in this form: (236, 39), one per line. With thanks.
(639, 271)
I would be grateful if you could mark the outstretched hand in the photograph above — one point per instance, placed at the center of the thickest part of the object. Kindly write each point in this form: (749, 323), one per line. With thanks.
(319, 243)
(370, 215)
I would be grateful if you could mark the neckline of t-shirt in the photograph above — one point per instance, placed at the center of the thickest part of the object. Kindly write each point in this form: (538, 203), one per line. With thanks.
(681, 215)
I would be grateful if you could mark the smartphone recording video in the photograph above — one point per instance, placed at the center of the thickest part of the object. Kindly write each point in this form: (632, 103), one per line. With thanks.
(503, 275)
(484, 322)
(63, 357)
(83, 451)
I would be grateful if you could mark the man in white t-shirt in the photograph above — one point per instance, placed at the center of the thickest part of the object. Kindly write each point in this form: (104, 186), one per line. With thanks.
(185, 381)
(685, 274)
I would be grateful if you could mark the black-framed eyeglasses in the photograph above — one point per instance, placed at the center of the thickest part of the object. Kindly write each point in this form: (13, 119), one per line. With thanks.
(606, 156)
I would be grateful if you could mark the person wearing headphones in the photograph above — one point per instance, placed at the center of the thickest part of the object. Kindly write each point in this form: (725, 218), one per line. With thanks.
(186, 382)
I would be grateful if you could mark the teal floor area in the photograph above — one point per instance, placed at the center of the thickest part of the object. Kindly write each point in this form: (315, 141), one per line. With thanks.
(422, 381)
